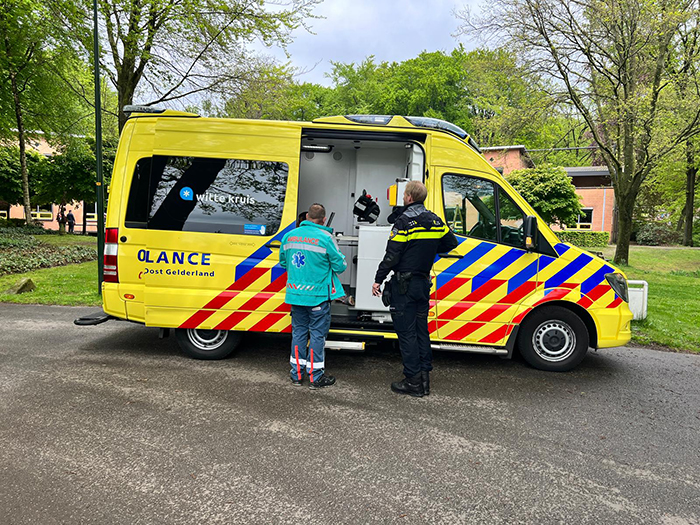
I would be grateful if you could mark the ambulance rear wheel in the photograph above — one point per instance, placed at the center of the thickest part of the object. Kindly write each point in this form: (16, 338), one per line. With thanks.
(553, 339)
(207, 344)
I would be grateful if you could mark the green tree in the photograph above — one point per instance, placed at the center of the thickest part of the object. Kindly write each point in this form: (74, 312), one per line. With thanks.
(10, 173)
(548, 189)
(167, 50)
(10, 182)
(615, 63)
(272, 93)
(431, 85)
(33, 97)
(68, 176)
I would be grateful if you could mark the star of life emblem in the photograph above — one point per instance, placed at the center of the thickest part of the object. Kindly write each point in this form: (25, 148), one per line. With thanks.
(298, 259)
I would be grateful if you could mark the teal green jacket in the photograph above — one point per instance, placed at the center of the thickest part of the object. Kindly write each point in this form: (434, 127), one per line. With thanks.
(312, 260)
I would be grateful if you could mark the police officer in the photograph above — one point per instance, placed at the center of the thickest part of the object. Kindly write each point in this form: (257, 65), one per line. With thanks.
(417, 236)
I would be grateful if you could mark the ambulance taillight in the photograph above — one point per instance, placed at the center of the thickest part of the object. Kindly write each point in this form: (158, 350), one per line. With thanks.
(111, 274)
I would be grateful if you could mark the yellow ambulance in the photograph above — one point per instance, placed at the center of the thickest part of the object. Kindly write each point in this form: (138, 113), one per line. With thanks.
(198, 206)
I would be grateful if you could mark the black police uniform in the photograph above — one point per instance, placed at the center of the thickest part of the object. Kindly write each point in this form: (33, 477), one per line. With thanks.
(417, 236)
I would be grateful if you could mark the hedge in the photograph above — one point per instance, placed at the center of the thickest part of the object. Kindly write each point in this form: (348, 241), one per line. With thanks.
(20, 253)
(584, 238)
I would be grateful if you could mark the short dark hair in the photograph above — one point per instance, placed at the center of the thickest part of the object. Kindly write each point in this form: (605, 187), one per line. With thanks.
(316, 211)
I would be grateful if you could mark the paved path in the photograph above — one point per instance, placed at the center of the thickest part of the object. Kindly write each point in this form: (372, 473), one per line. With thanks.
(109, 424)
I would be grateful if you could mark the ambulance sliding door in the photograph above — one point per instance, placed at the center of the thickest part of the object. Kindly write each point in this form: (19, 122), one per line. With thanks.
(490, 271)
(223, 195)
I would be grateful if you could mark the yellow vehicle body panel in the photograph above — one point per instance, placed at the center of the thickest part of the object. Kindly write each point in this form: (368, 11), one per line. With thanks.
(188, 279)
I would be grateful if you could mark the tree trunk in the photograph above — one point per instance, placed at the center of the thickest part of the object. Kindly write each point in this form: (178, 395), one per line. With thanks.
(689, 210)
(84, 218)
(22, 150)
(625, 210)
(125, 97)
(62, 222)
(681, 219)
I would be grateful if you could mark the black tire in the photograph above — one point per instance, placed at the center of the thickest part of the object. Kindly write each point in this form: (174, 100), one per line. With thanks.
(207, 344)
(553, 338)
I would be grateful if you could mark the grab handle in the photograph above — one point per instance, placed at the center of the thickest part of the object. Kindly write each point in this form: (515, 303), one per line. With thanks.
(450, 255)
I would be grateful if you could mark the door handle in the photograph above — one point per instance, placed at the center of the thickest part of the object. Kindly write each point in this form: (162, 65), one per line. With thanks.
(450, 255)
(273, 244)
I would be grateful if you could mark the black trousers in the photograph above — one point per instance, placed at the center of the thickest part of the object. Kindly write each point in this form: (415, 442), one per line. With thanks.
(409, 312)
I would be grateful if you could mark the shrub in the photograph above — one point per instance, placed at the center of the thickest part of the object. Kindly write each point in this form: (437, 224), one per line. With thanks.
(18, 225)
(21, 252)
(658, 233)
(11, 223)
(585, 238)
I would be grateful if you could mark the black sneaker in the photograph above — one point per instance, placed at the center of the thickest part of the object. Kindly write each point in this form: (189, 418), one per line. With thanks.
(297, 382)
(321, 382)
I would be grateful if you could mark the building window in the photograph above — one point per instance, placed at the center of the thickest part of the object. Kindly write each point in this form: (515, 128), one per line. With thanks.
(585, 219)
(42, 215)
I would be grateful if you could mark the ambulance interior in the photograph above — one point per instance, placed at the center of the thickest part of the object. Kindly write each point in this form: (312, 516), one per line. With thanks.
(336, 173)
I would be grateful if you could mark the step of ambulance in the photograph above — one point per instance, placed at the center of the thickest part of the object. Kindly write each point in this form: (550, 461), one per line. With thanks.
(357, 346)
(476, 349)
(94, 318)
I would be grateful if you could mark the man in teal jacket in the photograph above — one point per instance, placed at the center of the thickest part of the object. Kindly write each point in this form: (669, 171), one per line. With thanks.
(312, 259)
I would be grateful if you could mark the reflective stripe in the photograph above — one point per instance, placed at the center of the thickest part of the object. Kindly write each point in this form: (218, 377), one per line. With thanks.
(302, 246)
(425, 234)
(316, 366)
(293, 361)
(307, 287)
(296, 354)
(442, 229)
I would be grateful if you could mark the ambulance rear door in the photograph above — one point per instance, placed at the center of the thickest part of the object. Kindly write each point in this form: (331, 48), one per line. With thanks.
(222, 195)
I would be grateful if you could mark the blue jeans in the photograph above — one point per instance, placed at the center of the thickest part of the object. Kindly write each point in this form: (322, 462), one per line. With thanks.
(310, 325)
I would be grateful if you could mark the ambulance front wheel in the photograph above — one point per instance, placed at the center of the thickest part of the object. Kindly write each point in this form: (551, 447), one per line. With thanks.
(207, 344)
(553, 339)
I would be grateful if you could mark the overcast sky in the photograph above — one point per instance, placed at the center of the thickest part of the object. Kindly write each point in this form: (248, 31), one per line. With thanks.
(391, 30)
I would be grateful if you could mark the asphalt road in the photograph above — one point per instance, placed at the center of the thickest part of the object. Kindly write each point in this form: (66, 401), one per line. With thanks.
(109, 424)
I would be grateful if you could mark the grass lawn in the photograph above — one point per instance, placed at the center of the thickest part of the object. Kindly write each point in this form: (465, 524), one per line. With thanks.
(673, 310)
(70, 285)
(67, 240)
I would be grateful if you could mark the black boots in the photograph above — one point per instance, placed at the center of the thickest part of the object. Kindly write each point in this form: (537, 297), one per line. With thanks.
(411, 386)
(425, 378)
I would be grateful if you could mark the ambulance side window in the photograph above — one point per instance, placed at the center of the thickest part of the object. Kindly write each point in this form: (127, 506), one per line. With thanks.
(470, 206)
(137, 205)
(512, 219)
(208, 195)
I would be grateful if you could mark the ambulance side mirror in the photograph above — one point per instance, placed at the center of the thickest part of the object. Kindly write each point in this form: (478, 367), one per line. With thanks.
(530, 232)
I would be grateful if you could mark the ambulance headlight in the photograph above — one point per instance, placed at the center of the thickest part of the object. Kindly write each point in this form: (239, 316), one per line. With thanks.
(619, 285)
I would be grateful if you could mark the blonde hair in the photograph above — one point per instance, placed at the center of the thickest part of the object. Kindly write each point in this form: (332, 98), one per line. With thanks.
(416, 190)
